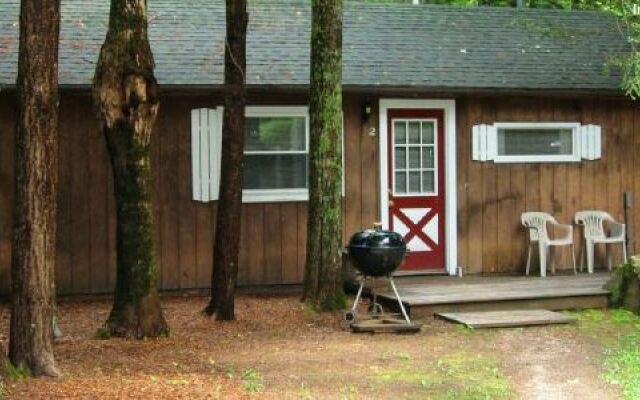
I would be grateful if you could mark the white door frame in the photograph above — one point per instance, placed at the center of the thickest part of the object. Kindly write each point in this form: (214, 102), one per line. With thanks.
(451, 208)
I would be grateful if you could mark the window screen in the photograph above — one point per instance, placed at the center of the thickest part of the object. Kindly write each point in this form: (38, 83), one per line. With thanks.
(535, 141)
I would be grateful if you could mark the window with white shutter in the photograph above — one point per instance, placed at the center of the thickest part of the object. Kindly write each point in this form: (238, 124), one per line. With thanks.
(206, 143)
(525, 142)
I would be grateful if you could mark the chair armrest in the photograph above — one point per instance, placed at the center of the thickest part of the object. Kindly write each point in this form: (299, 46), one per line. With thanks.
(616, 229)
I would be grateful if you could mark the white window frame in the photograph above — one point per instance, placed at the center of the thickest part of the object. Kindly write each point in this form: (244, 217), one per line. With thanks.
(277, 195)
(575, 155)
(435, 168)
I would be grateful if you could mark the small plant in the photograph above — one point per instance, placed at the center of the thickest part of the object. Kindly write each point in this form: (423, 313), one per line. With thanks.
(103, 333)
(14, 372)
(1, 390)
(252, 380)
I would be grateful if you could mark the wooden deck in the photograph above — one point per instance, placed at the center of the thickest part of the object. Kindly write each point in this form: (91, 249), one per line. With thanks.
(424, 296)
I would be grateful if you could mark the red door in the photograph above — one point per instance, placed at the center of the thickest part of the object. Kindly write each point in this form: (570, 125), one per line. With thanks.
(416, 185)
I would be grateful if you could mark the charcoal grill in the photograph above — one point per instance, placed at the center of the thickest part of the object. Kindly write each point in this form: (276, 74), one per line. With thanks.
(377, 253)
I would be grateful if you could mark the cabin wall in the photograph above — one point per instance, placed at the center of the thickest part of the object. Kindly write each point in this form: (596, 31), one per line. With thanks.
(273, 235)
(490, 196)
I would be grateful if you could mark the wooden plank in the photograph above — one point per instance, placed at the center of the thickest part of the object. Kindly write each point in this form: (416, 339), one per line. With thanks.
(179, 118)
(507, 318)
(490, 223)
(246, 246)
(505, 219)
(98, 172)
(272, 273)
(463, 152)
(353, 194)
(170, 225)
(475, 199)
(369, 175)
(205, 228)
(256, 234)
(80, 206)
(289, 226)
(303, 219)
(7, 134)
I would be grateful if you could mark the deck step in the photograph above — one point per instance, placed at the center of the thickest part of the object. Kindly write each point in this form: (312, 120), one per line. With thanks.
(507, 318)
(432, 296)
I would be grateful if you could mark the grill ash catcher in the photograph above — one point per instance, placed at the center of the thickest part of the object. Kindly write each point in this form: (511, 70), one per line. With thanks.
(376, 254)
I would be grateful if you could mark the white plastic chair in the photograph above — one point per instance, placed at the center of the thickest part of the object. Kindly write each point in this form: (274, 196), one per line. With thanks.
(536, 223)
(593, 223)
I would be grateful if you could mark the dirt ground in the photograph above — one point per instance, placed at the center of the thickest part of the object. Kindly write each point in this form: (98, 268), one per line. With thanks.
(278, 350)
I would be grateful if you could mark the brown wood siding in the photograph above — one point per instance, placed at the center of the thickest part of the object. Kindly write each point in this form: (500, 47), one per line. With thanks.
(490, 196)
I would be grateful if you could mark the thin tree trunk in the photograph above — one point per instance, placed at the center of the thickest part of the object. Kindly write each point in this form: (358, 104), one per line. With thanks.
(36, 177)
(323, 278)
(227, 240)
(126, 99)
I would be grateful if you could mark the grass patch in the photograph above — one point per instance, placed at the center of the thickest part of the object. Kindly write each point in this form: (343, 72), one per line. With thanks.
(15, 373)
(619, 332)
(252, 380)
(460, 375)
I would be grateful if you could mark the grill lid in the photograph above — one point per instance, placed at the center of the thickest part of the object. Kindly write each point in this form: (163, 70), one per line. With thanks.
(380, 239)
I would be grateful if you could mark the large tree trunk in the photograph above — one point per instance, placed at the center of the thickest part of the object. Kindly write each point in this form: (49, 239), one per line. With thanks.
(227, 240)
(323, 278)
(36, 177)
(126, 98)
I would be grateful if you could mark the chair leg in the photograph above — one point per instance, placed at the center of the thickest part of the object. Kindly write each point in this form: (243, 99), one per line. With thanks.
(589, 248)
(573, 258)
(624, 251)
(543, 259)
(552, 258)
(529, 259)
(607, 247)
(583, 250)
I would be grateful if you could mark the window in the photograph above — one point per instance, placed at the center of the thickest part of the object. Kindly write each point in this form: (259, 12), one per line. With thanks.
(518, 142)
(414, 157)
(276, 154)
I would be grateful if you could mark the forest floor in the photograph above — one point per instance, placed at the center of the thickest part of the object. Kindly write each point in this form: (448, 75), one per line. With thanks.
(279, 350)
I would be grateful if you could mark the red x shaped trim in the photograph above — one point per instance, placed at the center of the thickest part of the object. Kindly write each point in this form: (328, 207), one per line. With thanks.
(415, 229)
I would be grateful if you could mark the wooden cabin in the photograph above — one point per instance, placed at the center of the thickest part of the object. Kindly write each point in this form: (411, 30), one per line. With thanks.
(456, 120)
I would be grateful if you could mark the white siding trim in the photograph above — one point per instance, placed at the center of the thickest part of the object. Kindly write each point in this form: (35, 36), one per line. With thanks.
(451, 207)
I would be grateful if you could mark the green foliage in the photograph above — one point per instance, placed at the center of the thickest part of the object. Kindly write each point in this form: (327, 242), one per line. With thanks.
(252, 379)
(14, 372)
(460, 375)
(103, 333)
(619, 332)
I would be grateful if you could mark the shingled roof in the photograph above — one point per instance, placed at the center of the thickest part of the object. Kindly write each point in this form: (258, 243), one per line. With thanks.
(385, 45)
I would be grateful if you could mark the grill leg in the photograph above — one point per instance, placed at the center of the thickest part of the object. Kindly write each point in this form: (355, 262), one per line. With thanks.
(355, 303)
(395, 291)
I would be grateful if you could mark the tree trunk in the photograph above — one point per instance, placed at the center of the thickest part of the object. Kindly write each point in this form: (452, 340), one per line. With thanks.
(36, 177)
(126, 99)
(323, 278)
(227, 240)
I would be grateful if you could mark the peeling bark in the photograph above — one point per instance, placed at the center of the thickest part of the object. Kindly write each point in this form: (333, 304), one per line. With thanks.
(126, 100)
(228, 223)
(36, 169)
(323, 280)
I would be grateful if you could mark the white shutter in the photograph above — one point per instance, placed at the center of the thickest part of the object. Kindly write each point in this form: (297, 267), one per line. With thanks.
(484, 142)
(591, 142)
(206, 140)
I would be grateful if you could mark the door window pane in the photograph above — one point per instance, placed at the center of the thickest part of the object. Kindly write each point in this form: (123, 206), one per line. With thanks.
(275, 171)
(428, 184)
(427, 133)
(428, 158)
(414, 132)
(401, 182)
(414, 157)
(535, 141)
(401, 157)
(400, 132)
(275, 133)
(414, 182)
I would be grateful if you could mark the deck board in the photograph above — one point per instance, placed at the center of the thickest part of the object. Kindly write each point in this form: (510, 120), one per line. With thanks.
(492, 293)
(507, 318)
